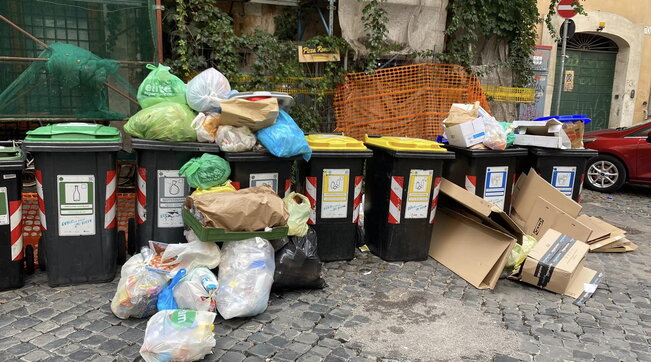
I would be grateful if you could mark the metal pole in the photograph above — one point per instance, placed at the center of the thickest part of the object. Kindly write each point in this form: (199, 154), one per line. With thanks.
(159, 30)
(331, 10)
(561, 78)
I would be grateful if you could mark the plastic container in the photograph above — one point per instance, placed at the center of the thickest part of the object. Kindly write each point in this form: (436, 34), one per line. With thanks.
(332, 181)
(161, 191)
(210, 234)
(564, 169)
(76, 179)
(251, 169)
(12, 162)
(402, 180)
(488, 174)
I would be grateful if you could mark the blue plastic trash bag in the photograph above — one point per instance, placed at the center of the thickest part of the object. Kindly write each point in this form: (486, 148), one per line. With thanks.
(166, 297)
(285, 138)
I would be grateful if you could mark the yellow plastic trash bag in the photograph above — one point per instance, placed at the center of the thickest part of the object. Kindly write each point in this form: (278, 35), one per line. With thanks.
(227, 186)
(519, 252)
(299, 209)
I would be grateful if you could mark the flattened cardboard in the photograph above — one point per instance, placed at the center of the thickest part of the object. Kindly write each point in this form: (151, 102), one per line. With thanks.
(556, 264)
(473, 251)
(526, 192)
(548, 134)
(623, 245)
(598, 231)
(545, 216)
(471, 237)
(466, 134)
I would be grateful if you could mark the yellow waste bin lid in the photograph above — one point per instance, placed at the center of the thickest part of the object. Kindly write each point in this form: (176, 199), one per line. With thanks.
(334, 142)
(404, 144)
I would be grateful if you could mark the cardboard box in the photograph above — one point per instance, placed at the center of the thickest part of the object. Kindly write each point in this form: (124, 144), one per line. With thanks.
(544, 216)
(471, 237)
(526, 192)
(548, 134)
(466, 134)
(606, 238)
(556, 264)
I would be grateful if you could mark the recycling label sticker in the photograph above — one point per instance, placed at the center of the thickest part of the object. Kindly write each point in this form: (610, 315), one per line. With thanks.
(262, 179)
(495, 185)
(334, 195)
(418, 194)
(172, 190)
(76, 205)
(563, 178)
(4, 207)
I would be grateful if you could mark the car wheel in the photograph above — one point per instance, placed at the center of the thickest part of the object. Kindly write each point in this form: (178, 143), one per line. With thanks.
(605, 174)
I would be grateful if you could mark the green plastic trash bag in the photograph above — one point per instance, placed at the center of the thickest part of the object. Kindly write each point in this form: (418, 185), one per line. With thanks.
(299, 210)
(161, 86)
(509, 128)
(519, 252)
(206, 171)
(167, 121)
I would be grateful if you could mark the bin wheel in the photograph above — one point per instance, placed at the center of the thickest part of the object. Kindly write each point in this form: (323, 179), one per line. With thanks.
(122, 248)
(131, 234)
(29, 259)
(41, 254)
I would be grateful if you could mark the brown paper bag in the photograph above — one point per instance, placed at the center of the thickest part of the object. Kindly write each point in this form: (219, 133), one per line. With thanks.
(458, 115)
(255, 115)
(250, 209)
(574, 131)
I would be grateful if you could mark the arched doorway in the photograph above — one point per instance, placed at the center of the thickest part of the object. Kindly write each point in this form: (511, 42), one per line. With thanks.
(588, 79)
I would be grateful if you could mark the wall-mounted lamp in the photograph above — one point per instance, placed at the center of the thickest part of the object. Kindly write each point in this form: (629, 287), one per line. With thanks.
(602, 25)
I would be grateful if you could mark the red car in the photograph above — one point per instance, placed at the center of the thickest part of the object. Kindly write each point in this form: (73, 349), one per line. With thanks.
(624, 156)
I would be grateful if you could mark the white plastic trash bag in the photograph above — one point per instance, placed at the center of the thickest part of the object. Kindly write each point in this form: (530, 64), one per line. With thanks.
(206, 125)
(170, 258)
(138, 288)
(197, 290)
(235, 139)
(245, 277)
(206, 90)
(178, 335)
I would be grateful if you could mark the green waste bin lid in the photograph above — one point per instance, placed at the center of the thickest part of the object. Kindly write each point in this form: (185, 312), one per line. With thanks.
(74, 133)
(10, 154)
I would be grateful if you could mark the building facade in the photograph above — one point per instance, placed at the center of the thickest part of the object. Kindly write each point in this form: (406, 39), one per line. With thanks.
(608, 73)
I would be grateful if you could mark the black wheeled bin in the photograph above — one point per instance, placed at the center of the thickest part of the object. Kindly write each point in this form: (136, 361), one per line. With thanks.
(12, 162)
(332, 181)
(161, 190)
(402, 183)
(489, 174)
(251, 169)
(564, 169)
(76, 179)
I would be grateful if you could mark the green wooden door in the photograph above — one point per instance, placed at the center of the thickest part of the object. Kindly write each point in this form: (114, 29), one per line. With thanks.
(593, 86)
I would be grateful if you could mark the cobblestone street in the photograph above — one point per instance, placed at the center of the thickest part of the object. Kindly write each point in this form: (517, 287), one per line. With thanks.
(374, 310)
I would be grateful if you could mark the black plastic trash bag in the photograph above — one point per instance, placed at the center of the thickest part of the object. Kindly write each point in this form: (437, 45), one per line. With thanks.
(297, 264)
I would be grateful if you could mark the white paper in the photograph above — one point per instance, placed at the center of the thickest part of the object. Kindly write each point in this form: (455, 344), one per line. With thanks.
(563, 178)
(172, 191)
(262, 179)
(76, 205)
(418, 194)
(334, 195)
(495, 185)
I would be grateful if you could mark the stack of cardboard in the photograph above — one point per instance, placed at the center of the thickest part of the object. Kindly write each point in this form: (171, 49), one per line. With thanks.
(474, 238)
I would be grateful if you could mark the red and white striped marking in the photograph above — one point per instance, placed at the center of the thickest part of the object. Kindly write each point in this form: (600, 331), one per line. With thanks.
(578, 199)
(471, 184)
(288, 187)
(111, 205)
(236, 185)
(395, 199)
(435, 199)
(41, 200)
(142, 195)
(310, 189)
(357, 198)
(16, 225)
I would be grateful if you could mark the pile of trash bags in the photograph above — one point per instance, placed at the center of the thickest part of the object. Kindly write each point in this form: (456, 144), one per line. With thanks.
(208, 110)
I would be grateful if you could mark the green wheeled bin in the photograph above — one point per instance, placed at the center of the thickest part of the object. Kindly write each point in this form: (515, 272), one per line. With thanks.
(76, 181)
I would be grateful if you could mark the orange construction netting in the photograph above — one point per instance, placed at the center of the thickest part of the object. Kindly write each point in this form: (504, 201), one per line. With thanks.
(409, 101)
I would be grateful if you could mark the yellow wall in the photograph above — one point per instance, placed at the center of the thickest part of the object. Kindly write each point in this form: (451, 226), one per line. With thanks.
(637, 12)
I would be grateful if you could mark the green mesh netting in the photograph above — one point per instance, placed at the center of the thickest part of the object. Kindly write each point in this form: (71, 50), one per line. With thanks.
(83, 34)
(73, 68)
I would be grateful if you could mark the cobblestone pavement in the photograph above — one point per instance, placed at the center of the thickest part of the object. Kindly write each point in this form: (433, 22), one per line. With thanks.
(373, 310)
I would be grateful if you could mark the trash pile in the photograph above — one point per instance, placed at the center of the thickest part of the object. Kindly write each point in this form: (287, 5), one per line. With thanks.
(208, 110)
(239, 243)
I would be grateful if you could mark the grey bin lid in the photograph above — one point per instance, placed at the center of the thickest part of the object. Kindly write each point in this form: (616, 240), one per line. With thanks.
(285, 101)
